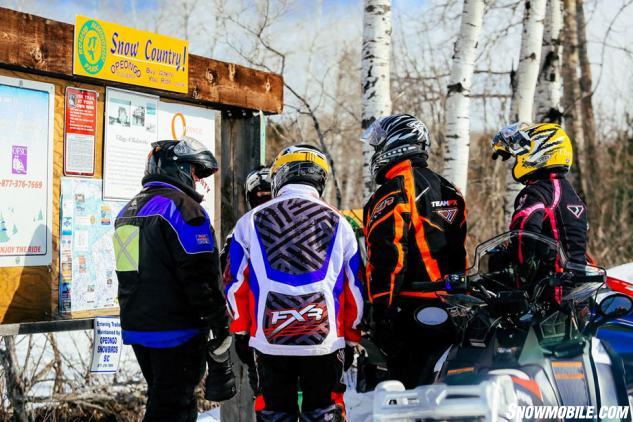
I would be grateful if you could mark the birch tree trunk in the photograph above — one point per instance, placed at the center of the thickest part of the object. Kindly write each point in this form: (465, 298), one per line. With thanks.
(571, 94)
(549, 84)
(522, 106)
(457, 146)
(586, 92)
(375, 74)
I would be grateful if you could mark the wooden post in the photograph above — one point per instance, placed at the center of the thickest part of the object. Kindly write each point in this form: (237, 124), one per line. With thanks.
(240, 146)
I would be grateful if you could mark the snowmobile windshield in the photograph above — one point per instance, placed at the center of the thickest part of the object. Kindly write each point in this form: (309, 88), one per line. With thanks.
(501, 253)
(531, 256)
(583, 292)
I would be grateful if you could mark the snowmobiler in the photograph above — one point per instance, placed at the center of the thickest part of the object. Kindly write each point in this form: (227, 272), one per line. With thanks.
(415, 228)
(548, 204)
(292, 286)
(169, 293)
(257, 190)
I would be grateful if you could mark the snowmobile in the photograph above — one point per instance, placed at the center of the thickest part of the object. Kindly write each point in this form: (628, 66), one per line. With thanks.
(528, 341)
(618, 333)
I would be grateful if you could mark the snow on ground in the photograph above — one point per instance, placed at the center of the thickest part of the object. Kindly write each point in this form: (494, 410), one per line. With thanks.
(359, 406)
(212, 415)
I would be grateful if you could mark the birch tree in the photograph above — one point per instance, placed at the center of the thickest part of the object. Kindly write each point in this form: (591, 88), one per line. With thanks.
(527, 73)
(374, 74)
(586, 92)
(571, 94)
(457, 145)
(549, 85)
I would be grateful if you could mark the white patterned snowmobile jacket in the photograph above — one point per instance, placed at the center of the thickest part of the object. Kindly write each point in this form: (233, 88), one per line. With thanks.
(292, 278)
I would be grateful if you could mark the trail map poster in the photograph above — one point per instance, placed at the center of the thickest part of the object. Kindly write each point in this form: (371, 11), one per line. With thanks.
(176, 121)
(87, 277)
(130, 127)
(26, 172)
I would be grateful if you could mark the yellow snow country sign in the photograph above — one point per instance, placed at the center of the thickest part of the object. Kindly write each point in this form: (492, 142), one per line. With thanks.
(114, 52)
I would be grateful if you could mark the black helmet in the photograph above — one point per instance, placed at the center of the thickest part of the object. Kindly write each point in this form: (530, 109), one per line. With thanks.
(395, 138)
(303, 164)
(257, 186)
(175, 160)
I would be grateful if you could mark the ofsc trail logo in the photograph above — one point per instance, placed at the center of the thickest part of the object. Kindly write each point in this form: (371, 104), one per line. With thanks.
(91, 47)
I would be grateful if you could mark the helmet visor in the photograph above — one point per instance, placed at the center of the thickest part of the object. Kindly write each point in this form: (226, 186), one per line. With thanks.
(189, 146)
(374, 135)
(511, 139)
(258, 178)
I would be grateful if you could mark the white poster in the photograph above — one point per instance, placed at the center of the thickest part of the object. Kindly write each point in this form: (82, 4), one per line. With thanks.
(107, 345)
(26, 172)
(130, 128)
(176, 121)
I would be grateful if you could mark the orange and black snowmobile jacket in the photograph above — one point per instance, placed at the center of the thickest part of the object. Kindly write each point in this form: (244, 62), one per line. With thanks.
(415, 229)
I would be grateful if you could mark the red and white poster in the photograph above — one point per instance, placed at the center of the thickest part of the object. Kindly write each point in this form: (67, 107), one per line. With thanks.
(81, 128)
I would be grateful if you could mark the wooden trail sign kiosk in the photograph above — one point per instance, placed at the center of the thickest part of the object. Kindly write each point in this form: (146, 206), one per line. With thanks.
(64, 67)
(39, 52)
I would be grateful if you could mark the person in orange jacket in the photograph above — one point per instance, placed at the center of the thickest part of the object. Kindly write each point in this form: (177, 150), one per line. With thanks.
(415, 229)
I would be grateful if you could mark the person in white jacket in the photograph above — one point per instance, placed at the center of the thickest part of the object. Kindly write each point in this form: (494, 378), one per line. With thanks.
(293, 286)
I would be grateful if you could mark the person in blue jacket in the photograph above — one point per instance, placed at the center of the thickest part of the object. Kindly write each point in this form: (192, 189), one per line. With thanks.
(168, 271)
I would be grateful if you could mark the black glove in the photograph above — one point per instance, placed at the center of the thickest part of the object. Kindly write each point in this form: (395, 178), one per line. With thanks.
(350, 351)
(218, 346)
(243, 350)
(220, 382)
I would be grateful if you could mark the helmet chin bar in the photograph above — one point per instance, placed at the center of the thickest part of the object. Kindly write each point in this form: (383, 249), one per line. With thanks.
(505, 156)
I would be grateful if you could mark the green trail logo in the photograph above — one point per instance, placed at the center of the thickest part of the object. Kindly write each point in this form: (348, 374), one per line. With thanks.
(91, 45)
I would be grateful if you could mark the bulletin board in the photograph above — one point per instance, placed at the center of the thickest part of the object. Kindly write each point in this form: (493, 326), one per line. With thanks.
(77, 279)
(30, 293)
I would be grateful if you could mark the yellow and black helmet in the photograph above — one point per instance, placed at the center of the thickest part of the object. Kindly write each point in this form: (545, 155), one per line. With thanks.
(535, 147)
(304, 164)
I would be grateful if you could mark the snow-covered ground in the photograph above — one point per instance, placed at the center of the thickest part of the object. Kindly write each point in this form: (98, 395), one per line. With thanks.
(212, 415)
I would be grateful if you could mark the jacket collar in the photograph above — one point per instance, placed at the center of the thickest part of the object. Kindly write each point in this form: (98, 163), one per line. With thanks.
(544, 175)
(296, 189)
(403, 166)
(156, 181)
